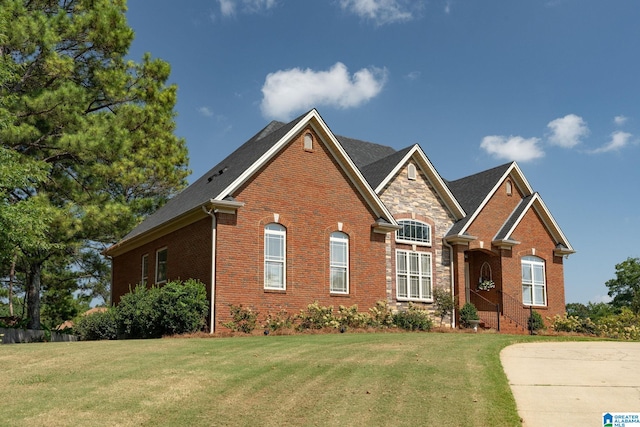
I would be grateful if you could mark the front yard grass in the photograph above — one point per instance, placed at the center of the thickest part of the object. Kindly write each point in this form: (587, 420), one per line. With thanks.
(367, 379)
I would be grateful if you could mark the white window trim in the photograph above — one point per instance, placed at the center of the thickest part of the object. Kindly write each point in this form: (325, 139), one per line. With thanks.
(145, 274)
(166, 261)
(420, 275)
(281, 232)
(531, 261)
(414, 242)
(339, 237)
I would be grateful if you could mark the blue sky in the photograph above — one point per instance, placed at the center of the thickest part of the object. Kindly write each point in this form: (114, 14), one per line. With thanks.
(551, 84)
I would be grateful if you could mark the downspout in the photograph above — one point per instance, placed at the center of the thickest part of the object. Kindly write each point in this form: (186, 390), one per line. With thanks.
(214, 227)
(452, 272)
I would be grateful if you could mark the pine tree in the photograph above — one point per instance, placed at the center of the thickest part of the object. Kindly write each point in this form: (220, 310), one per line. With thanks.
(99, 125)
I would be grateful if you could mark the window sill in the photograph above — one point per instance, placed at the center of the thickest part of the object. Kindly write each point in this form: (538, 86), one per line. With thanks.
(401, 299)
(275, 291)
(410, 243)
(339, 295)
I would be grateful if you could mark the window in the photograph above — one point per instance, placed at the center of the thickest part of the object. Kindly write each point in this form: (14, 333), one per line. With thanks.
(161, 266)
(308, 142)
(534, 287)
(413, 275)
(275, 237)
(145, 269)
(339, 263)
(411, 172)
(414, 232)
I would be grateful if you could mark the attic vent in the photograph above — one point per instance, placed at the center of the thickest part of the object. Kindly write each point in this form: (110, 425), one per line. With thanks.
(220, 172)
(509, 187)
(411, 172)
(308, 142)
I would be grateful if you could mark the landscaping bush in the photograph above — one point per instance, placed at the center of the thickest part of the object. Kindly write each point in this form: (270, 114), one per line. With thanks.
(317, 317)
(566, 323)
(443, 302)
(352, 318)
(623, 326)
(175, 308)
(535, 321)
(278, 321)
(182, 307)
(413, 319)
(468, 313)
(97, 326)
(381, 315)
(242, 319)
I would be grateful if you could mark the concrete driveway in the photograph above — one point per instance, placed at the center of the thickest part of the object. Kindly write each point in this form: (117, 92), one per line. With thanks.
(573, 383)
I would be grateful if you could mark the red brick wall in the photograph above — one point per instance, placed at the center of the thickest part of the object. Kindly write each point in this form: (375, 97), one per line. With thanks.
(311, 195)
(533, 235)
(188, 257)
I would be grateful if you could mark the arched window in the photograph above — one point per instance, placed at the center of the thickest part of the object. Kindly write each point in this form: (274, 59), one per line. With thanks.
(534, 284)
(339, 263)
(413, 232)
(275, 249)
(308, 142)
(411, 172)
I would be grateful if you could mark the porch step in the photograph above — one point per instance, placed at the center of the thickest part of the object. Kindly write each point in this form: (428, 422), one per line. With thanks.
(488, 320)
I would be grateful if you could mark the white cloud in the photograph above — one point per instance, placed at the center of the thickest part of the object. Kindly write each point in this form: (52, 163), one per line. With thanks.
(382, 11)
(291, 91)
(620, 120)
(567, 131)
(205, 111)
(512, 148)
(413, 75)
(447, 7)
(230, 7)
(618, 141)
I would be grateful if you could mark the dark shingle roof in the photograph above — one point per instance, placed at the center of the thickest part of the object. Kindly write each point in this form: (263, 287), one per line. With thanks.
(470, 191)
(377, 171)
(364, 153)
(502, 234)
(217, 178)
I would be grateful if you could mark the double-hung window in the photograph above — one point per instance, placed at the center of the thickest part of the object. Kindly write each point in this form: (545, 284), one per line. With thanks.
(275, 246)
(534, 286)
(339, 263)
(145, 269)
(161, 265)
(413, 276)
(414, 232)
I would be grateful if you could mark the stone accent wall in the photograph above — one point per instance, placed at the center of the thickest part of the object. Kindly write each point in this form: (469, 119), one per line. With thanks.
(417, 199)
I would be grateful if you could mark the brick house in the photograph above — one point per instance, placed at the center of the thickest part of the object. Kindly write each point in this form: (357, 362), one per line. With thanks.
(298, 214)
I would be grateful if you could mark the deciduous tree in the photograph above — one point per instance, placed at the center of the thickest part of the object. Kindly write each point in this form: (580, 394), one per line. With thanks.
(625, 288)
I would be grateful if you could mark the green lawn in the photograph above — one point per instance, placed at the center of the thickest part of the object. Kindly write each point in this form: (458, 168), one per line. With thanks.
(372, 379)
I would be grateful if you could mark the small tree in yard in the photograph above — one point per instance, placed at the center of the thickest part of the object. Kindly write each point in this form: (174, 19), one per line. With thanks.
(444, 303)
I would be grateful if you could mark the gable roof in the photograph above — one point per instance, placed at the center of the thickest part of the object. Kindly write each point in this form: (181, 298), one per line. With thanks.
(536, 203)
(220, 182)
(381, 172)
(474, 191)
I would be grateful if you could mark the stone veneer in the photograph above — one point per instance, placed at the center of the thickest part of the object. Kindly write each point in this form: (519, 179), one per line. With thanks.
(417, 199)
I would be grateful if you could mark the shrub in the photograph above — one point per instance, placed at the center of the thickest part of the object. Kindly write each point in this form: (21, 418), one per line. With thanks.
(182, 307)
(567, 323)
(175, 308)
(136, 316)
(350, 317)
(623, 326)
(278, 321)
(444, 303)
(242, 319)
(317, 317)
(535, 322)
(413, 319)
(97, 326)
(468, 313)
(381, 315)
